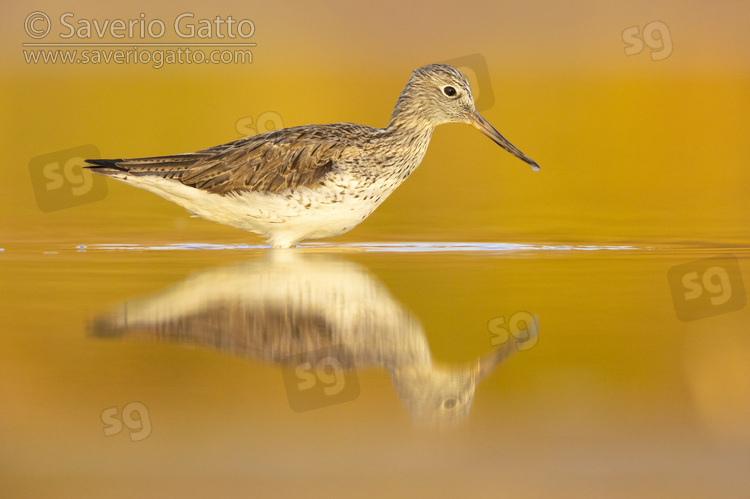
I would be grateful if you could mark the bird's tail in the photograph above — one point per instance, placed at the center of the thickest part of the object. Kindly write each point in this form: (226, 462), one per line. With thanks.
(171, 167)
(107, 167)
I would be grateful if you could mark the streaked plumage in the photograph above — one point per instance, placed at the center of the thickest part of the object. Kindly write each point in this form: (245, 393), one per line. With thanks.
(315, 181)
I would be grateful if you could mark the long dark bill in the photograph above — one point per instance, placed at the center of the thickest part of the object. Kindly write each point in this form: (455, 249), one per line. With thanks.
(484, 126)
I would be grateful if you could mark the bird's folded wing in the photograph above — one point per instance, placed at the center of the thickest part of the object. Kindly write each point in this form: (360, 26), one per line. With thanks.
(271, 162)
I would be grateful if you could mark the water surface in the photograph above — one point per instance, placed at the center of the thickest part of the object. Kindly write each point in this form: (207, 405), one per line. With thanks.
(435, 368)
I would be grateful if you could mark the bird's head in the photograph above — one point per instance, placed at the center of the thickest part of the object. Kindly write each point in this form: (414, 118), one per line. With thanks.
(438, 94)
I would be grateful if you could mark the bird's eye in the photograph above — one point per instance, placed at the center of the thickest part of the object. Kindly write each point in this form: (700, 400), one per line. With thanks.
(449, 91)
(449, 404)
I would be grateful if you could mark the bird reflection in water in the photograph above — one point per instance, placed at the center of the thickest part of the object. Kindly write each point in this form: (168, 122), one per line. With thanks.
(294, 306)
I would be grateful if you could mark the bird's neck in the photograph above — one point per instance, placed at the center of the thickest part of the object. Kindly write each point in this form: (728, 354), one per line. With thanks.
(407, 116)
(402, 145)
(410, 137)
(408, 127)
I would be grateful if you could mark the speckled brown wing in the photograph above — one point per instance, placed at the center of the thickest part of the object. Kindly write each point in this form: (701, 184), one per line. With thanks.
(271, 162)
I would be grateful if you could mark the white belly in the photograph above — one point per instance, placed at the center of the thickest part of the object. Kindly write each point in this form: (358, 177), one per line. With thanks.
(284, 219)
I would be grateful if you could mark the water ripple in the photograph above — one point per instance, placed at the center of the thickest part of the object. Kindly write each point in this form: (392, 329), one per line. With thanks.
(412, 247)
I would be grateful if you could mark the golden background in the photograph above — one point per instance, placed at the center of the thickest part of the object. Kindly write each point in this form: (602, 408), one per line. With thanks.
(619, 398)
(631, 148)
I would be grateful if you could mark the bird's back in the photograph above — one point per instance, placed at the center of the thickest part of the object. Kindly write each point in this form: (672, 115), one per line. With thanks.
(271, 162)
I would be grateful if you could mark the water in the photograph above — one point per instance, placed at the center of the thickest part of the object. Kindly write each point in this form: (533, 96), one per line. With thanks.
(362, 369)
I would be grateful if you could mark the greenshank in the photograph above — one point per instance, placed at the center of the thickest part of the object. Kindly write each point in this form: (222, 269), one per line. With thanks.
(314, 181)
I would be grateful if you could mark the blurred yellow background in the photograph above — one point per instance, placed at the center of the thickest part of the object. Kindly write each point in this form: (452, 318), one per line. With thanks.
(647, 148)
(619, 397)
